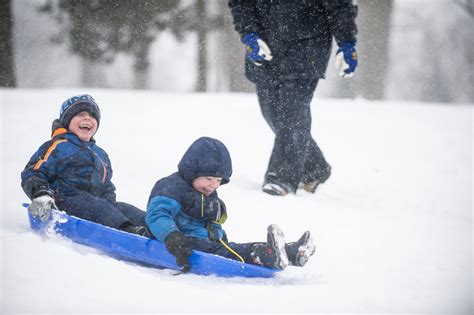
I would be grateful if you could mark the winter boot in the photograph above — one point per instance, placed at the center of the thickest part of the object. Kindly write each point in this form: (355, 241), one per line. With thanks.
(310, 186)
(272, 254)
(275, 186)
(139, 230)
(300, 251)
(275, 189)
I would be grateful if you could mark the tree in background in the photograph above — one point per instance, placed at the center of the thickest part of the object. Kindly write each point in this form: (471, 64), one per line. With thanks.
(373, 38)
(98, 30)
(432, 52)
(374, 22)
(200, 17)
(230, 53)
(220, 54)
(7, 75)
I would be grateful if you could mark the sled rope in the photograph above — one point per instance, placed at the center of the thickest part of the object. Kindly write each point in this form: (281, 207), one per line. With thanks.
(222, 242)
(231, 250)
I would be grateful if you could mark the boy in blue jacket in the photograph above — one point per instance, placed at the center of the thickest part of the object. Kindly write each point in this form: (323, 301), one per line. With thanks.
(72, 173)
(185, 212)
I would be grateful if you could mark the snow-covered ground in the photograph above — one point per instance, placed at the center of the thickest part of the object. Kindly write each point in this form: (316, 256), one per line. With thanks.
(393, 225)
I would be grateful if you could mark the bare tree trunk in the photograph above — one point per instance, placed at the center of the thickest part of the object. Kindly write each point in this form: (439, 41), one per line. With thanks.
(233, 54)
(7, 75)
(141, 68)
(202, 46)
(374, 21)
(92, 74)
(140, 80)
(236, 53)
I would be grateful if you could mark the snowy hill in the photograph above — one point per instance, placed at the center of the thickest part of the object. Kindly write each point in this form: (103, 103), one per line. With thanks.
(393, 225)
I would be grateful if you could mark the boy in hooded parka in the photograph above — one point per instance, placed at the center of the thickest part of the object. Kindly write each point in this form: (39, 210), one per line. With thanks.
(72, 173)
(185, 212)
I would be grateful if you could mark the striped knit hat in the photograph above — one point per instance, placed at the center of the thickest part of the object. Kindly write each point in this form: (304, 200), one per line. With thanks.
(76, 104)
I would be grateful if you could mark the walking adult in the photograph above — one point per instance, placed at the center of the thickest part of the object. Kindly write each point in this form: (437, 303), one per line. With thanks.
(288, 47)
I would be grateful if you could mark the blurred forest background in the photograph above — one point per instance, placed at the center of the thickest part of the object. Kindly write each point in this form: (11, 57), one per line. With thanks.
(418, 50)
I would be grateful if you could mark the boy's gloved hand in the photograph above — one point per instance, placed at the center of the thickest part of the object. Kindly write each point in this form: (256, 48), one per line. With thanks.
(346, 59)
(216, 234)
(178, 246)
(257, 50)
(41, 206)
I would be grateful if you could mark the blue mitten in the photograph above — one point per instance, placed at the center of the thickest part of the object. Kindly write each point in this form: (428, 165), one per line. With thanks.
(346, 59)
(257, 50)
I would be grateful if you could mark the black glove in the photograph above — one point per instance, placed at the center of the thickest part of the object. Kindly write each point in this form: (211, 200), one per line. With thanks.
(178, 246)
(215, 235)
(42, 191)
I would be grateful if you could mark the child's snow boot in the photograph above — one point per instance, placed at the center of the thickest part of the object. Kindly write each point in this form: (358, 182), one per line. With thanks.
(300, 251)
(272, 254)
(139, 230)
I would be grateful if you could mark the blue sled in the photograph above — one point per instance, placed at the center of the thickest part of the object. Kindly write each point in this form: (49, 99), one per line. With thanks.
(142, 250)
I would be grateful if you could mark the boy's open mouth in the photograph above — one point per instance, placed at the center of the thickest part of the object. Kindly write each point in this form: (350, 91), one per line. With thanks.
(85, 127)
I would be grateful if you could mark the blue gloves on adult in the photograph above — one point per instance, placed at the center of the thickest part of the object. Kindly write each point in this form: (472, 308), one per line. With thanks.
(346, 59)
(257, 50)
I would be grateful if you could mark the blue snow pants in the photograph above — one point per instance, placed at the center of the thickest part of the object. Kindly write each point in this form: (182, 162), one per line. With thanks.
(102, 211)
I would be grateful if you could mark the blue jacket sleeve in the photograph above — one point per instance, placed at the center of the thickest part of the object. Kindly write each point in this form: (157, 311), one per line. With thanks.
(38, 172)
(160, 216)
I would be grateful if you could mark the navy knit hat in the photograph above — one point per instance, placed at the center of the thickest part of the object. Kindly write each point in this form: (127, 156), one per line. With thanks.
(76, 104)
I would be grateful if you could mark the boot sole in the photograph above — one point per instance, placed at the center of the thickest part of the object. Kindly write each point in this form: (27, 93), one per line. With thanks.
(277, 240)
(274, 190)
(307, 248)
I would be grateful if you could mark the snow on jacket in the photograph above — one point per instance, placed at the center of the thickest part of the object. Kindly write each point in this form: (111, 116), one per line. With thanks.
(174, 205)
(69, 166)
(299, 33)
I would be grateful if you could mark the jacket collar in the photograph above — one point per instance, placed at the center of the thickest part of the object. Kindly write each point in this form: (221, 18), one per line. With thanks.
(63, 133)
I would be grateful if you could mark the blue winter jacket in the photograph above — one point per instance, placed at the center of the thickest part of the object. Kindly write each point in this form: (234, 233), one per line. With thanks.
(69, 166)
(175, 206)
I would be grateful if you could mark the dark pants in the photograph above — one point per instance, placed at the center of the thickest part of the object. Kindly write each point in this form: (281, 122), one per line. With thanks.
(285, 105)
(99, 210)
(216, 248)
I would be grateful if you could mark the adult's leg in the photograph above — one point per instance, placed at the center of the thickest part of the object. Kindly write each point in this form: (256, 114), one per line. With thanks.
(286, 107)
(268, 98)
(316, 168)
